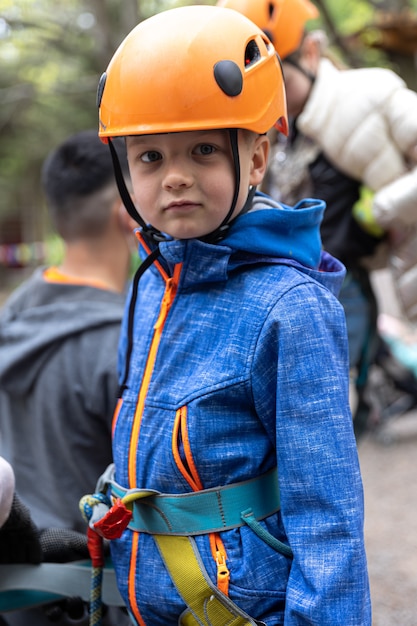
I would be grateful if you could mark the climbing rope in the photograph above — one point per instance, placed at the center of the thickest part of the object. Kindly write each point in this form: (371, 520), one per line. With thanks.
(88, 505)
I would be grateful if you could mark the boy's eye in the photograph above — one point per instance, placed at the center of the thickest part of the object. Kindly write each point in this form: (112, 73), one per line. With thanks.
(205, 149)
(151, 156)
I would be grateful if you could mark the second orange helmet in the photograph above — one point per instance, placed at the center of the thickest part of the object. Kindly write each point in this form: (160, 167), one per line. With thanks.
(282, 20)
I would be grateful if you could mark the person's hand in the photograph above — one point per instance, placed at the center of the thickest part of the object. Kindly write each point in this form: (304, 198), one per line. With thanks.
(22, 542)
(61, 545)
(19, 537)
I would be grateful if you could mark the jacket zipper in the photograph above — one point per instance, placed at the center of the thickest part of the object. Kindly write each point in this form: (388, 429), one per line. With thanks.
(167, 300)
(171, 286)
(189, 471)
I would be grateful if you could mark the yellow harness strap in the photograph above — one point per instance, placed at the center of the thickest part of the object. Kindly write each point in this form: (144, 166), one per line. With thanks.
(207, 605)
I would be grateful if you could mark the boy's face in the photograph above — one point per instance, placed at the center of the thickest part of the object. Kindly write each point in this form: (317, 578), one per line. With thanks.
(183, 183)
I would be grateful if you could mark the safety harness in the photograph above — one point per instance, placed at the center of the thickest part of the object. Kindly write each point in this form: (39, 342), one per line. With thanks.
(174, 519)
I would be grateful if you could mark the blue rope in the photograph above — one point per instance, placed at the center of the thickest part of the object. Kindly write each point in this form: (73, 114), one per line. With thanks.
(96, 604)
(95, 546)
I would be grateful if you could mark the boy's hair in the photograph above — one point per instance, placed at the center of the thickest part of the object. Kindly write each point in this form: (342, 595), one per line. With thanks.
(78, 181)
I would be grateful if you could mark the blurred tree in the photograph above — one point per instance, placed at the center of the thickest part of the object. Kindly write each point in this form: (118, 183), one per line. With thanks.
(51, 54)
(374, 32)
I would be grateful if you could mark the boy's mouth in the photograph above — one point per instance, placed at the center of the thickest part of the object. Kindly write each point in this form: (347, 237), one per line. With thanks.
(181, 205)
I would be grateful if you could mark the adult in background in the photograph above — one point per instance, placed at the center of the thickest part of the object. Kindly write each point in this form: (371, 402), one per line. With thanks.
(351, 130)
(58, 349)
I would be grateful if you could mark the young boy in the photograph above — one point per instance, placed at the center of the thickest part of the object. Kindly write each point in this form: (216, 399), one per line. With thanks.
(233, 354)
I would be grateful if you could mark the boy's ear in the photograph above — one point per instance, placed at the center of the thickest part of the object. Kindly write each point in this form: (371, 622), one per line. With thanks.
(259, 159)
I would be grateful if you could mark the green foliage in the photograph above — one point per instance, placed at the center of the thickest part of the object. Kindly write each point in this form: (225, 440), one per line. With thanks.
(351, 15)
(47, 86)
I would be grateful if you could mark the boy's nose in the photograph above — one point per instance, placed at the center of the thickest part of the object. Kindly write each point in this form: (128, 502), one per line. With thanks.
(177, 175)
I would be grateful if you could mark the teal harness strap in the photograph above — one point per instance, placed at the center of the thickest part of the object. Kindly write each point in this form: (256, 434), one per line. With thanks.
(249, 519)
(201, 512)
(173, 520)
(26, 586)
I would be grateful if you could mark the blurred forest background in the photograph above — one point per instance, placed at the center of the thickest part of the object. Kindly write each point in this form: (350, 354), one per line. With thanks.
(52, 53)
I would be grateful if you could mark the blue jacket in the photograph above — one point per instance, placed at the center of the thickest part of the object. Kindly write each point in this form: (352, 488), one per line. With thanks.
(239, 364)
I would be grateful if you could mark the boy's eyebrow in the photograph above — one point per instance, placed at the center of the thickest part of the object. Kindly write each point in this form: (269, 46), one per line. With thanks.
(201, 133)
(139, 138)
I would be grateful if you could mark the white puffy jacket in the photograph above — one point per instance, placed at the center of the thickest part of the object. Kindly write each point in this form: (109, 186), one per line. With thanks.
(365, 121)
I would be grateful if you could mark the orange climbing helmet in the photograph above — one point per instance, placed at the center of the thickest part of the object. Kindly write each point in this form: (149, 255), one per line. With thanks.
(192, 68)
(282, 20)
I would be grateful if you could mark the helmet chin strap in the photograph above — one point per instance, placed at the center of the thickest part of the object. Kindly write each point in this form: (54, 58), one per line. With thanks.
(220, 232)
(149, 231)
(121, 185)
(157, 236)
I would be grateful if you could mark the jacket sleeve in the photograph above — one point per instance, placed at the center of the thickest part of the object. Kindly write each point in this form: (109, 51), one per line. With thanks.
(319, 477)
(395, 205)
(365, 121)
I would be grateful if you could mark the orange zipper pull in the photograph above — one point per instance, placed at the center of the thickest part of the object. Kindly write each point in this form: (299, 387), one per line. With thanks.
(167, 300)
(223, 574)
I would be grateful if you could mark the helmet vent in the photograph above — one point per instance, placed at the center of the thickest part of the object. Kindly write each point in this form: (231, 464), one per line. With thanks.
(228, 77)
(252, 53)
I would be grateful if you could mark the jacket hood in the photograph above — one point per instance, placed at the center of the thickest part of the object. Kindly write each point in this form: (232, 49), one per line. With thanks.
(269, 233)
(39, 315)
(273, 229)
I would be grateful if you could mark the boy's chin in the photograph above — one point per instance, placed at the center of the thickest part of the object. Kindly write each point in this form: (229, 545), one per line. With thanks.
(187, 234)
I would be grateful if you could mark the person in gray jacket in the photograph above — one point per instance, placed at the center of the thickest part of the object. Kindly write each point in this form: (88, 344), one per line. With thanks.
(58, 345)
